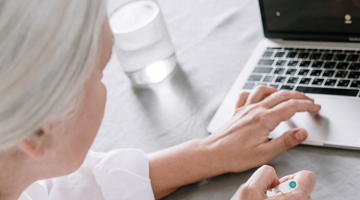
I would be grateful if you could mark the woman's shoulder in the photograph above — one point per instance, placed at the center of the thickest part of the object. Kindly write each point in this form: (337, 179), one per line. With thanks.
(119, 174)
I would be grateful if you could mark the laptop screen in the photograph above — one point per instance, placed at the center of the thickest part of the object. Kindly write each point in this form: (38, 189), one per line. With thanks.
(334, 20)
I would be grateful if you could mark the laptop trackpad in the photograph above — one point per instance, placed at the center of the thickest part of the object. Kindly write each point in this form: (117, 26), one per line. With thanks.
(338, 122)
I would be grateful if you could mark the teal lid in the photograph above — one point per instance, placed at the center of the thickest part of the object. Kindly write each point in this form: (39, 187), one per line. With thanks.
(292, 184)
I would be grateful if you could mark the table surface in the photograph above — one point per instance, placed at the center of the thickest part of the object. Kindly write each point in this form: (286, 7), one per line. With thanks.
(213, 40)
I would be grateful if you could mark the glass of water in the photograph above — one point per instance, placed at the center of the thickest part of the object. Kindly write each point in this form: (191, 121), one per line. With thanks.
(142, 42)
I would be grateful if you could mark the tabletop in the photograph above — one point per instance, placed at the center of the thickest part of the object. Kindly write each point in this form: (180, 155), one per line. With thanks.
(213, 40)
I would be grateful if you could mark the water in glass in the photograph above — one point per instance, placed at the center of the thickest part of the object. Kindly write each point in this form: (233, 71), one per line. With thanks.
(142, 42)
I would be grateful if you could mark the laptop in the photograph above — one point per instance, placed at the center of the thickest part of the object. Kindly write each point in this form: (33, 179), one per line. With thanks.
(311, 46)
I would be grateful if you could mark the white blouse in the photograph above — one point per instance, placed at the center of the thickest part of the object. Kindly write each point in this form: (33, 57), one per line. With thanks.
(117, 175)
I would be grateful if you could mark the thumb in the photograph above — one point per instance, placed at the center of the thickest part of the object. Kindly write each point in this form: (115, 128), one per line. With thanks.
(288, 140)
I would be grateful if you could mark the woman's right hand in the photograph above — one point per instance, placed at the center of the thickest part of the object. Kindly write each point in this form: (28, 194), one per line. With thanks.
(265, 178)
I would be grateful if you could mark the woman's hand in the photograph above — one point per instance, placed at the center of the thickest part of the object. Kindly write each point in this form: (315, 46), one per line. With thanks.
(265, 178)
(239, 145)
(243, 143)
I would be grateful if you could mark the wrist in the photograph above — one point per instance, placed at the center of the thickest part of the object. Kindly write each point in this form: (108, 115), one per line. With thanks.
(215, 158)
(183, 164)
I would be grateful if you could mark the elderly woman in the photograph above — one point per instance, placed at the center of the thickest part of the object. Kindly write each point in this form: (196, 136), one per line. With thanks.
(52, 54)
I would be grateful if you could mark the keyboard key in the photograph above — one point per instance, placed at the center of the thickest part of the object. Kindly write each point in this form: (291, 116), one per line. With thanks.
(255, 78)
(328, 56)
(316, 72)
(349, 51)
(280, 63)
(291, 71)
(343, 83)
(291, 55)
(289, 49)
(305, 63)
(340, 57)
(317, 64)
(279, 70)
(293, 80)
(315, 56)
(337, 51)
(261, 84)
(300, 49)
(287, 87)
(279, 54)
(303, 72)
(342, 65)
(355, 84)
(249, 86)
(311, 50)
(324, 50)
(353, 57)
(317, 81)
(303, 55)
(329, 91)
(293, 63)
(268, 78)
(353, 74)
(328, 73)
(341, 74)
(305, 81)
(355, 66)
(266, 62)
(265, 70)
(274, 48)
(329, 65)
(280, 79)
(330, 82)
(274, 85)
(268, 54)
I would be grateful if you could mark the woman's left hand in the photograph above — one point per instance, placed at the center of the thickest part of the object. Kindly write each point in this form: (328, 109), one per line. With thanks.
(243, 142)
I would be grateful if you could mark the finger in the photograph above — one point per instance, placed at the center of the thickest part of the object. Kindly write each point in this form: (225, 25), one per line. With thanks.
(306, 181)
(281, 96)
(285, 110)
(264, 178)
(260, 93)
(286, 178)
(242, 99)
(306, 184)
(286, 141)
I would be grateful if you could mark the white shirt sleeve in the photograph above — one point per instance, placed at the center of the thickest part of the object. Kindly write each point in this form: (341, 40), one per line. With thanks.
(117, 175)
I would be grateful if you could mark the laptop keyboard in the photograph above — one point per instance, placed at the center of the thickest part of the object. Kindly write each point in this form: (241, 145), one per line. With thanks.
(312, 71)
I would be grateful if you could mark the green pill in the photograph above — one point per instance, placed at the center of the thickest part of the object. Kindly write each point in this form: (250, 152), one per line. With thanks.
(292, 184)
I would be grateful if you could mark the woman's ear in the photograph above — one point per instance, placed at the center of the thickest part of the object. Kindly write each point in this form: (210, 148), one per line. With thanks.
(34, 145)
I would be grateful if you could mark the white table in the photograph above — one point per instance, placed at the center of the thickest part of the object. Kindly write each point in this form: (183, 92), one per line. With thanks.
(213, 40)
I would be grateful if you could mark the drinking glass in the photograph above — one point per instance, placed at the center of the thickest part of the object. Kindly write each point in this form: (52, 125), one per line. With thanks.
(142, 41)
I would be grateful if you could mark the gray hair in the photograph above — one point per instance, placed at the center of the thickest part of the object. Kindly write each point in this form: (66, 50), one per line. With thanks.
(47, 50)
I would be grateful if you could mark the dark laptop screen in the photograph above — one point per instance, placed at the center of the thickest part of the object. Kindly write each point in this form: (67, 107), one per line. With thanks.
(312, 19)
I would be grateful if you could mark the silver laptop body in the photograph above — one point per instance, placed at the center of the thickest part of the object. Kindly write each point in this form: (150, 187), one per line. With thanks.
(327, 69)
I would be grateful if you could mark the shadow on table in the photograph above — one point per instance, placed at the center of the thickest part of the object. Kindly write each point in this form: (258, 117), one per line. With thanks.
(222, 187)
(174, 95)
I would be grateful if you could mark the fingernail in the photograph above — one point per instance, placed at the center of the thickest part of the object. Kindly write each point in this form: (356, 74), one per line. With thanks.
(299, 136)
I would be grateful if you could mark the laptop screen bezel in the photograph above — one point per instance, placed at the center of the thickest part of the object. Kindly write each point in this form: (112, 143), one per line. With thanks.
(313, 36)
